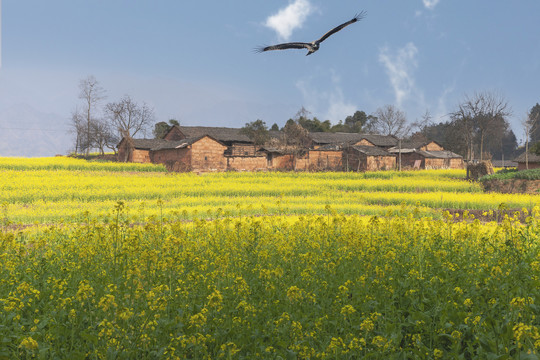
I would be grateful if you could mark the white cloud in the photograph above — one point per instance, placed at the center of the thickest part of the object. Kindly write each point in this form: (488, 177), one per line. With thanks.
(289, 18)
(430, 4)
(400, 67)
(329, 104)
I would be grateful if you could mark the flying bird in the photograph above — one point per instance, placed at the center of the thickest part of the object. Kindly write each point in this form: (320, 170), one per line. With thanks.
(314, 45)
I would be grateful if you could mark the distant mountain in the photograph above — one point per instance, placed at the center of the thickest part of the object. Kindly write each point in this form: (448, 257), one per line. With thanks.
(27, 132)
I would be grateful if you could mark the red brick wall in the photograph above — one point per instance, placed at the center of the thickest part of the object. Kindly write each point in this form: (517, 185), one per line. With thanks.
(247, 163)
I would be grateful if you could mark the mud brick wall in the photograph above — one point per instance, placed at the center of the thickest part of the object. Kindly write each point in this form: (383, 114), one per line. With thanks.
(282, 162)
(326, 160)
(247, 163)
(174, 159)
(208, 155)
(364, 142)
(432, 146)
(140, 156)
(375, 163)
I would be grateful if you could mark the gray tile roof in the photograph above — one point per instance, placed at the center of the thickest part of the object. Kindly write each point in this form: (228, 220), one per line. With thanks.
(333, 138)
(161, 144)
(504, 163)
(224, 134)
(444, 154)
(371, 150)
(147, 144)
(329, 147)
(533, 158)
(381, 140)
(341, 138)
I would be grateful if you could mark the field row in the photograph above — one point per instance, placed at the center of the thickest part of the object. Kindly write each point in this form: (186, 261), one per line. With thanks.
(50, 196)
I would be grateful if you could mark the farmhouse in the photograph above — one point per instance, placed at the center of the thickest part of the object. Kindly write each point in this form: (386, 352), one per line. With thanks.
(532, 159)
(326, 158)
(202, 153)
(426, 155)
(368, 158)
(240, 153)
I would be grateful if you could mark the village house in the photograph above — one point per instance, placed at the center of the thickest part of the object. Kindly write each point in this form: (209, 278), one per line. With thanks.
(531, 161)
(240, 154)
(368, 158)
(426, 155)
(199, 154)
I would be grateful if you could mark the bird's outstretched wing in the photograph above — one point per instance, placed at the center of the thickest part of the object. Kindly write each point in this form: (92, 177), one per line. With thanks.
(284, 46)
(356, 18)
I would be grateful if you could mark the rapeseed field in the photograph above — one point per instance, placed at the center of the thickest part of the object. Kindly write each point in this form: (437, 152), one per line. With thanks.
(322, 268)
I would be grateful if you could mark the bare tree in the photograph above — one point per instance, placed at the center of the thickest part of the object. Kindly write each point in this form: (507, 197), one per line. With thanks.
(423, 122)
(389, 120)
(128, 117)
(91, 93)
(296, 139)
(481, 115)
(78, 129)
(530, 124)
(103, 136)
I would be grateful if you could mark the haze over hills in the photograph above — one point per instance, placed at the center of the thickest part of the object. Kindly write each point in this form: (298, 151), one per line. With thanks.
(27, 132)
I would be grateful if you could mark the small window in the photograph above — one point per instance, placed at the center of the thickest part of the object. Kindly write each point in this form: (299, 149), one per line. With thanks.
(206, 158)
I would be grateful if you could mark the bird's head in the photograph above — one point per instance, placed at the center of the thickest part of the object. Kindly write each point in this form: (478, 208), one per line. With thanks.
(314, 47)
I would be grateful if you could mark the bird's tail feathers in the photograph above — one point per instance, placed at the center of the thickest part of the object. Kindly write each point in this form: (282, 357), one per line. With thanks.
(259, 49)
(360, 15)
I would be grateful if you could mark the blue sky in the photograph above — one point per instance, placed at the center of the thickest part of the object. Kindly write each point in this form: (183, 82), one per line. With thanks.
(194, 60)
